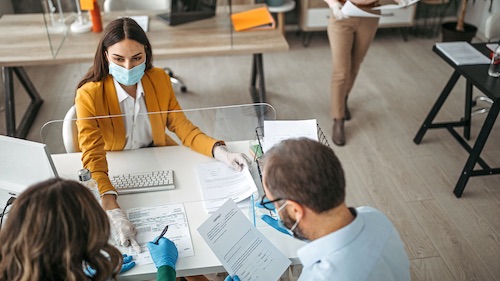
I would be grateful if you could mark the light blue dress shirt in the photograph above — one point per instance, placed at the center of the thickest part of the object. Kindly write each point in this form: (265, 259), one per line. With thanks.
(369, 248)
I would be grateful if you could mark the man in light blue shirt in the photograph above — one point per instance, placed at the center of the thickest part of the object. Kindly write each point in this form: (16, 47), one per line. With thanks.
(305, 187)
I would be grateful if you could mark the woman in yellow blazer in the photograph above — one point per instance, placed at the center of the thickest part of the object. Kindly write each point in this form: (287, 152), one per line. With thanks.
(124, 81)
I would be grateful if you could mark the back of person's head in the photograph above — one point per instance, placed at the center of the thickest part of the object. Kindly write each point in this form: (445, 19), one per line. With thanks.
(305, 171)
(55, 229)
(116, 31)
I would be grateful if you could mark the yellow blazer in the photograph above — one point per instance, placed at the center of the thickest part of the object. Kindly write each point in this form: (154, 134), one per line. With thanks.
(96, 136)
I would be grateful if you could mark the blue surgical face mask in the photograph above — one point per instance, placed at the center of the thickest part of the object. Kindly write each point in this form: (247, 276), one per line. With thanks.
(125, 76)
(282, 224)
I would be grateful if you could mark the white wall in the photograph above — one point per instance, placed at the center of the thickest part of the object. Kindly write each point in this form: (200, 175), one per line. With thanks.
(477, 13)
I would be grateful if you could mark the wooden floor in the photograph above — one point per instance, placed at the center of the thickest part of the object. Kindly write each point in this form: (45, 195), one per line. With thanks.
(446, 238)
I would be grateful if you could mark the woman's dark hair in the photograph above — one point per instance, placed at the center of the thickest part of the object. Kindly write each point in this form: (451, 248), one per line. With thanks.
(116, 31)
(54, 230)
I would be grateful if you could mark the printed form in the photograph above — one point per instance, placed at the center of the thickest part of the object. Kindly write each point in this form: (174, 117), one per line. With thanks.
(219, 182)
(277, 130)
(241, 248)
(150, 221)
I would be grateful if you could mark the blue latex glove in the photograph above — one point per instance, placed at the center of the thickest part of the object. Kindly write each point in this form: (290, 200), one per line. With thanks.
(234, 278)
(128, 263)
(270, 220)
(165, 253)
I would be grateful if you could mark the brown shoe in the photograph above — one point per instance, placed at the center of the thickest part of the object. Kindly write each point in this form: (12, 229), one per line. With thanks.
(338, 135)
(347, 113)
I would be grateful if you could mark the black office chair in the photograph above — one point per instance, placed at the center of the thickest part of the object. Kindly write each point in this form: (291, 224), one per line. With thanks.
(121, 5)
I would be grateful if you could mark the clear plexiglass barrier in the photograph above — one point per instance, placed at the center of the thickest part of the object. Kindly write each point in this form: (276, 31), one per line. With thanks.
(228, 123)
(236, 125)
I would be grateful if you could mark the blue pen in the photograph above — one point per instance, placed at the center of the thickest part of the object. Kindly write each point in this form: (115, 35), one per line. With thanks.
(161, 235)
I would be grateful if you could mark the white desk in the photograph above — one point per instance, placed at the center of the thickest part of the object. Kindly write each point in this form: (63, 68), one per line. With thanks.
(183, 161)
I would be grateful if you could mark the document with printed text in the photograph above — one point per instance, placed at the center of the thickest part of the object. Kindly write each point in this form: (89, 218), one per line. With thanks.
(150, 221)
(352, 10)
(277, 130)
(395, 6)
(240, 247)
(219, 182)
(462, 53)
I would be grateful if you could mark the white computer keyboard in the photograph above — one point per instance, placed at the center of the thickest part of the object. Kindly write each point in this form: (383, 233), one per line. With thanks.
(143, 182)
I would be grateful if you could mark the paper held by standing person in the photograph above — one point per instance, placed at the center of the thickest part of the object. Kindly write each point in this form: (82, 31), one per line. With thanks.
(349, 9)
(395, 6)
(240, 247)
(277, 130)
(219, 182)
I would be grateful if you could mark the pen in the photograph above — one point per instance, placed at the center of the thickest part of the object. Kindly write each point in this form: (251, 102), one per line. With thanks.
(161, 235)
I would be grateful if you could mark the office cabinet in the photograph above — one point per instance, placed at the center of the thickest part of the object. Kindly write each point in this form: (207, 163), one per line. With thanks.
(314, 15)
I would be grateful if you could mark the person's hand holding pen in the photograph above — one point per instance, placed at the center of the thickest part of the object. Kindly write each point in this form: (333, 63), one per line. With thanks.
(163, 251)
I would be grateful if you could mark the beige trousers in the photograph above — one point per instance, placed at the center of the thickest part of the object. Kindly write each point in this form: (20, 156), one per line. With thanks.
(349, 42)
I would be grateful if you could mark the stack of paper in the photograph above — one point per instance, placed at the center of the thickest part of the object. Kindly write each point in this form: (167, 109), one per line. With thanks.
(462, 53)
(219, 182)
(278, 130)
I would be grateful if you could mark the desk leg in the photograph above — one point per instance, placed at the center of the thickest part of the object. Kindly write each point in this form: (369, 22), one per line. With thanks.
(467, 111)
(437, 106)
(258, 73)
(10, 106)
(476, 150)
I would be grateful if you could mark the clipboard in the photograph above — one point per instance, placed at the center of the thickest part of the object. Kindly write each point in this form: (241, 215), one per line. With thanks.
(254, 19)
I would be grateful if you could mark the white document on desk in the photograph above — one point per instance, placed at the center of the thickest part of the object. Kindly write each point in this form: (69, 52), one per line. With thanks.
(351, 10)
(462, 53)
(150, 221)
(219, 182)
(240, 247)
(277, 130)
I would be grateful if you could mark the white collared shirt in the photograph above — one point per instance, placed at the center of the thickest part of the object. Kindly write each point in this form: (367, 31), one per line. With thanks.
(138, 132)
(369, 248)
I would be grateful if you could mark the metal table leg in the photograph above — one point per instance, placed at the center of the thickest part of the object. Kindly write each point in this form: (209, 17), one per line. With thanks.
(10, 106)
(258, 94)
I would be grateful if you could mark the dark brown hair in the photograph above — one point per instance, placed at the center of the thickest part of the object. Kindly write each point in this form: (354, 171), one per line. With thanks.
(55, 229)
(305, 171)
(116, 31)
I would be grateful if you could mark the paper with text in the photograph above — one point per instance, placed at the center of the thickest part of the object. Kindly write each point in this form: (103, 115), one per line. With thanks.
(240, 247)
(462, 53)
(351, 10)
(277, 130)
(150, 221)
(219, 182)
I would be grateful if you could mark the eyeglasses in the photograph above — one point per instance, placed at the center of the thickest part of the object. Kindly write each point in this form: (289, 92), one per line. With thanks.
(269, 205)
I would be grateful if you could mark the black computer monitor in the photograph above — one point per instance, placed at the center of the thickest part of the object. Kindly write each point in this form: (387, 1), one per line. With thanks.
(183, 11)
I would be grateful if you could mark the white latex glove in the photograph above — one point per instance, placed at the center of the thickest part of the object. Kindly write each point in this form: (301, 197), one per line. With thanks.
(237, 161)
(402, 3)
(123, 230)
(337, 11)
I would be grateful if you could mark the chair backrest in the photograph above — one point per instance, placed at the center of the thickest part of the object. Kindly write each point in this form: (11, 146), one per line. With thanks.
(70, 131)
(492, 27)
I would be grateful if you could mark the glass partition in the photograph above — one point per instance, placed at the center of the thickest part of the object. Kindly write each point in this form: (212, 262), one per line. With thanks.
(228, 123)
(236, 125)
(55, 25)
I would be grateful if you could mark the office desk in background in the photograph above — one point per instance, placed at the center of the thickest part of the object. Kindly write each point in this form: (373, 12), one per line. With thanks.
(476, 75)
(25, 43)
(183, 161)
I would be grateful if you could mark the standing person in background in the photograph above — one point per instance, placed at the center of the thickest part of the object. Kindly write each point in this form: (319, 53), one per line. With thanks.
(123, 81)
(350, 38)
(57, 231)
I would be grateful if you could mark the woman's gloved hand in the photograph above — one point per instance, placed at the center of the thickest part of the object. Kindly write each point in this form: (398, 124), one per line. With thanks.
(127, 264)
(123, 230)
(336, 7)
(237, 161)
(165, 253)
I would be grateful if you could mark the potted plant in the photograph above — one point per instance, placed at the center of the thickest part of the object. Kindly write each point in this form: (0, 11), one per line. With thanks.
(460, 30)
